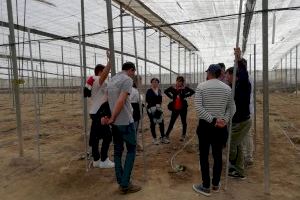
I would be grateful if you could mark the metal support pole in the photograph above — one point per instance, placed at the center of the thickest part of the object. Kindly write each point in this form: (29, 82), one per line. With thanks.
(281, 77)
(95, 61)
(15, 75)
(286, 72)
(110, 36)
(178, 58)
(254, 95)
(63, 71)
(197, 69)
(35, 101)
(250, 64)
(84, 77)
(57, 76)
(190, 65)
(140, 105)
(185, 63)
(159, 55)
(122, 37)
(291, 68)
(194, 68)
(203, 72)
(41, 75)
(265, 49)
(145, 53)
(296, 75)
(233, 93)
(170, 61)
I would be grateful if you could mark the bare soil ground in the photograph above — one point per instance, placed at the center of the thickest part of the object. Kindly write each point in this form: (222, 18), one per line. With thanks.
(62, 174)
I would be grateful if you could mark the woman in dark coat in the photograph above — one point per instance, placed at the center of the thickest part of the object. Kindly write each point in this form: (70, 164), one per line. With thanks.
(154, 111)
(178, 105)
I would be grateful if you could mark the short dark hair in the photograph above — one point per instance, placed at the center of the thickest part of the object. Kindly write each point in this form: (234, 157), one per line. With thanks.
(98, 68)
(128, 65)
(222, 65)
(229, 70)
(180, 79)
(154, 79)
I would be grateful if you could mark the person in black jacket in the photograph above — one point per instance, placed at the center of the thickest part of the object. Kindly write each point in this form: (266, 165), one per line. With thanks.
(178, 105)
(154, 111)
(241, 122)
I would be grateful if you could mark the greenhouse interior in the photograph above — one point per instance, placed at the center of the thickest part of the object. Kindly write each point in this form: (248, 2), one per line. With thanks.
(49, 52)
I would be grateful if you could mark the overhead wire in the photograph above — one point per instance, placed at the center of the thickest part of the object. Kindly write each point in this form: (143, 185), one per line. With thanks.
(140, 28)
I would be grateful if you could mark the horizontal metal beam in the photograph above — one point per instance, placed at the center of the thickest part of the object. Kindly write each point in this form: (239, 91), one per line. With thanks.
(72, 40)
(156, 21)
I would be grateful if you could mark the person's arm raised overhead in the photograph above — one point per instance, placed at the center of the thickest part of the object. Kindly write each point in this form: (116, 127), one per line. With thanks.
(106, 70)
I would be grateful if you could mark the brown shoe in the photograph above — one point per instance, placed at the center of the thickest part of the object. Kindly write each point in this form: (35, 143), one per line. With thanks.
(130, 189)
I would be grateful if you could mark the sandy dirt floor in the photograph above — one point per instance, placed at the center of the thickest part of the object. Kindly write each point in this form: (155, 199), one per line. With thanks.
(62, 174)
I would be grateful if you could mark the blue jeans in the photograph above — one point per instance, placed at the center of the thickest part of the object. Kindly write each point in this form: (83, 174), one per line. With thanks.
(124, 134)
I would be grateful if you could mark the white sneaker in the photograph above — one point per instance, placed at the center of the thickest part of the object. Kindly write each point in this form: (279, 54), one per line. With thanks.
(155, 141)
(106, 164)
(96, 163)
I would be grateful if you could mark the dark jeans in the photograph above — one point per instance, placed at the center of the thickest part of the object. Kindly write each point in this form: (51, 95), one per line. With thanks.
(152, 127)
(98, 132)
(124, 134)
(174, 115)
(209, 135)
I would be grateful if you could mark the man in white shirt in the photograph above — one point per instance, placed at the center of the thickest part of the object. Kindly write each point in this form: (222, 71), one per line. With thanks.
(99, 109)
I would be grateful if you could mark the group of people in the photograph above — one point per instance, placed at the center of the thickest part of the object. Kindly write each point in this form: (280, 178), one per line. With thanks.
(115, 114)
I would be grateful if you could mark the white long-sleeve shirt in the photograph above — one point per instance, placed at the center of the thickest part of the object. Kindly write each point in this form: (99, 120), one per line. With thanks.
(213, 100)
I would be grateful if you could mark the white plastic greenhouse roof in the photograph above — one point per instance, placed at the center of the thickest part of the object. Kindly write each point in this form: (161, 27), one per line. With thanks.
(142, 11)
(215, 38)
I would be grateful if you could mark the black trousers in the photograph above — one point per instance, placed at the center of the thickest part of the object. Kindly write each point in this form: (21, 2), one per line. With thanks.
(152, 127)
(98, 132)
(174, 115)
(210, 136)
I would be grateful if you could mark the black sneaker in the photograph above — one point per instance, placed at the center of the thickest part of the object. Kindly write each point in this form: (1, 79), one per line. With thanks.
(130, 189)
(237, 175)
(202, 190)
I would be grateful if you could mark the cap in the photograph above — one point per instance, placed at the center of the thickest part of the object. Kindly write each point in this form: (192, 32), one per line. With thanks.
(213, 68)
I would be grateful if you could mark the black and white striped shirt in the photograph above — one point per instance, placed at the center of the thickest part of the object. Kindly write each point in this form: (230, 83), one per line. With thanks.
(213, 100)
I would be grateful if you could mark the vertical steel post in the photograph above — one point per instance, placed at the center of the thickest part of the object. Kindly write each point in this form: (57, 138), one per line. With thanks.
(281, 77)
(63, 72)
(15, 75)
(286, 72)
(194, 68)
(122, 37)
(110, 36)
(265, 49)
(250, 64)
(190, 66)
(170, 61)
(178, 58)
(185, 63)
(291, 68)
(296, 75)
(84, 76)
(40, 57)
(233, 92)
(159, 55)
(145, 52)
(254, 95)
(35, 101)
